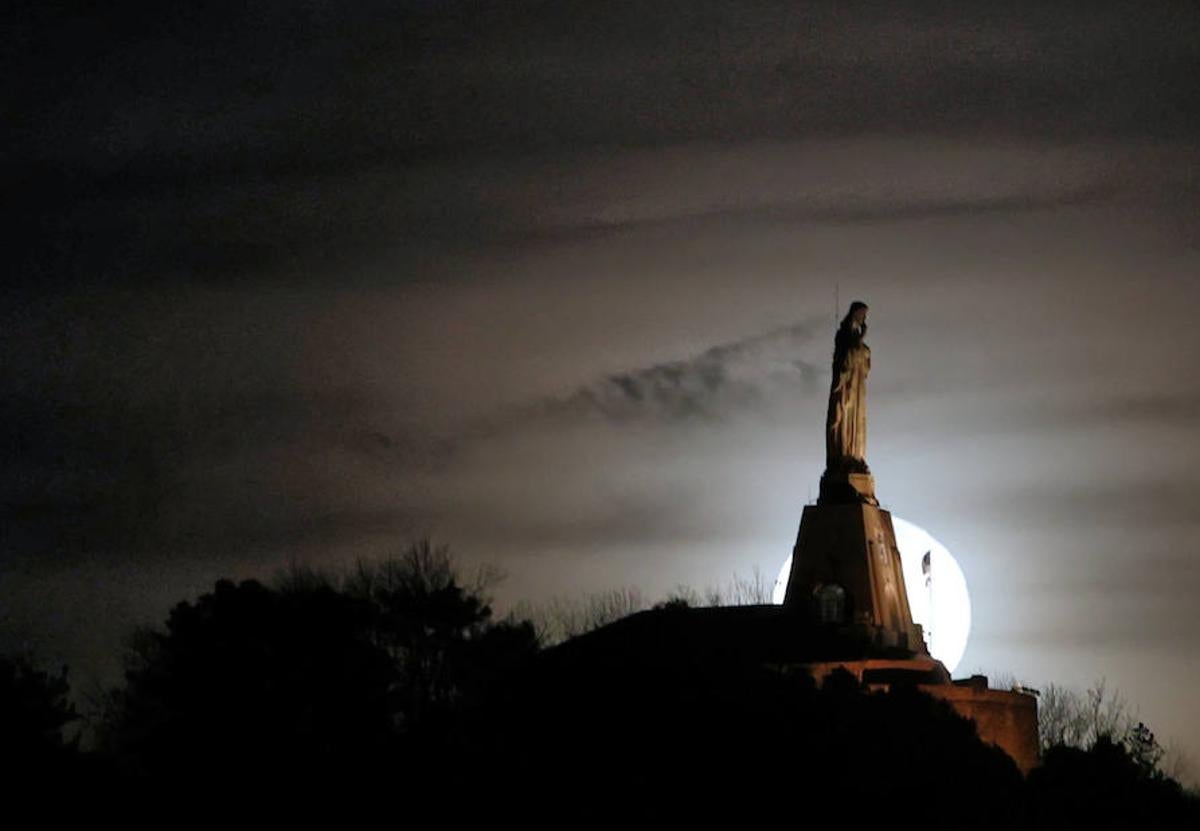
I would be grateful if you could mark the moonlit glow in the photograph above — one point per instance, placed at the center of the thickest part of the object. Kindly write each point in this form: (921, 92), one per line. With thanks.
(939, 601)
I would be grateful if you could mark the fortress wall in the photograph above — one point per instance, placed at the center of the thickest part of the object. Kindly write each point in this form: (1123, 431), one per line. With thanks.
(1007, 719)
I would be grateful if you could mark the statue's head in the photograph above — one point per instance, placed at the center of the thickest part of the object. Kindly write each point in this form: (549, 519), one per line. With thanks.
(856, 318)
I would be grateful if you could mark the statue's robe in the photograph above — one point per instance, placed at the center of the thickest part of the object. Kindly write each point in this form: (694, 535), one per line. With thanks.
(846, 425)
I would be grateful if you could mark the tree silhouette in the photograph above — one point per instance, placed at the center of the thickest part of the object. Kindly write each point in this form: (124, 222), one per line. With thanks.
(249, 684)
(34, 709)
(311, 682)
(437, 631)
(1066, 717)
(1106, 786)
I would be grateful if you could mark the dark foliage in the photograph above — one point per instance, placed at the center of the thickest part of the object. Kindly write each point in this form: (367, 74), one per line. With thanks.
(399, 689)
(248, 683)
(689, 733)
(250, 686)
(34, 709)
(1106, 786)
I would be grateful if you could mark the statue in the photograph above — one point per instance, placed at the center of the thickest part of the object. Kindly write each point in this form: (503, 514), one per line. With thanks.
(846, 424)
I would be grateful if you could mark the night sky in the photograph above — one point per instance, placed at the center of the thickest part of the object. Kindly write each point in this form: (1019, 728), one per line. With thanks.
(554, 283)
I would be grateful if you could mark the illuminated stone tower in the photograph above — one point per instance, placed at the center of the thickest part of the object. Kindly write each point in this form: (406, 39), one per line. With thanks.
(846, 570)
(846, 564)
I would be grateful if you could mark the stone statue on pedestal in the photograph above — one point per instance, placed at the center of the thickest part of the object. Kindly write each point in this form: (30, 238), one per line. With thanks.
(847, 477)
(846, 424)
(846, 567)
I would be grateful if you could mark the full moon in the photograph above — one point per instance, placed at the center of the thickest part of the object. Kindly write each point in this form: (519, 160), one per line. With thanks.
(938, 600)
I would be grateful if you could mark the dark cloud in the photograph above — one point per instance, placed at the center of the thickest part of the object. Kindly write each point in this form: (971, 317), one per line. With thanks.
(865, 211)
(107, 467)
(175, 86)
(719, 382)
(158, 425)
(410, 217)
(729, 376)
(164, 137)
(87, 477)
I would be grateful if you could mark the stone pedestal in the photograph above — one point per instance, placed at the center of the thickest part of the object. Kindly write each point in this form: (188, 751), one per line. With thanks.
(846, 571)
(840, 488)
